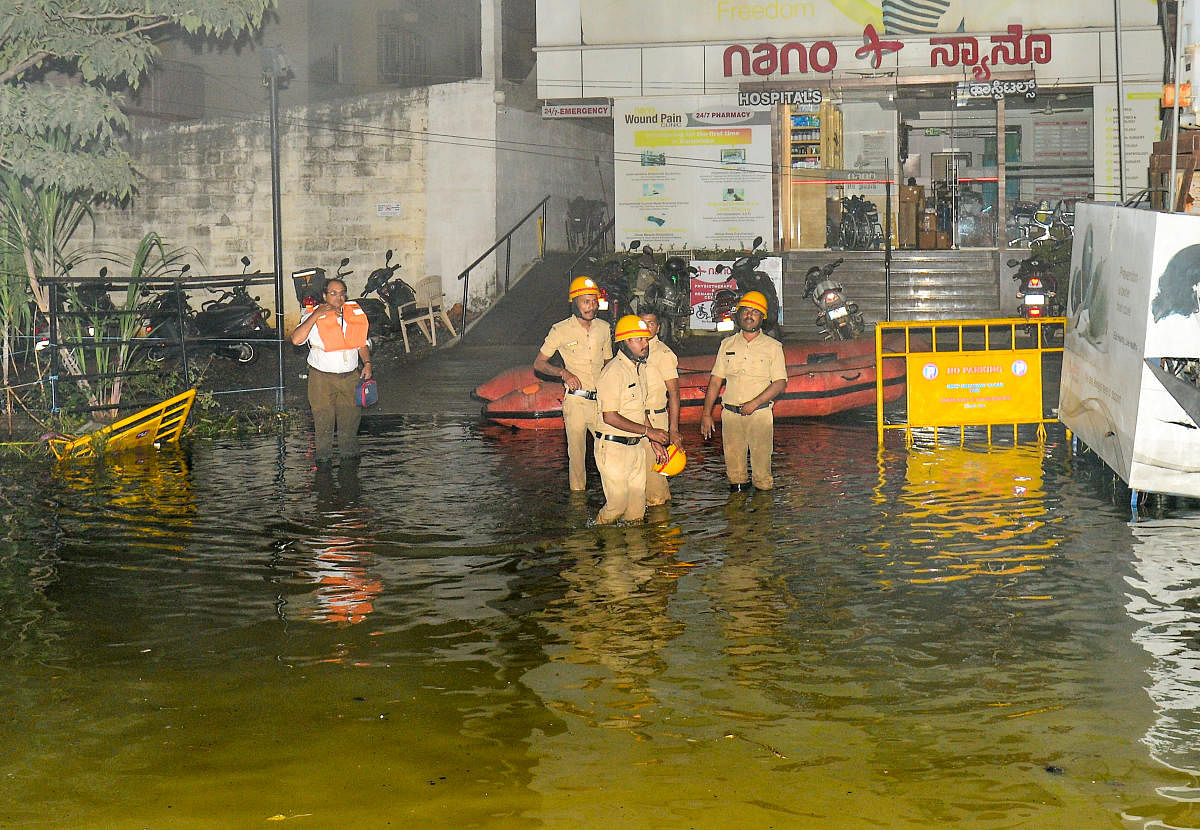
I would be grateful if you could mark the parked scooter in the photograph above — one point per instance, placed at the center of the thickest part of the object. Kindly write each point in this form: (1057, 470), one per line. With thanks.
(748, 278)
(384, 311)
(232, 322)
(227, 326)
(836, 318)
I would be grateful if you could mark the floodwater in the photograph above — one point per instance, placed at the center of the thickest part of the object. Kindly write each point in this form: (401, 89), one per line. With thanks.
(915, 638)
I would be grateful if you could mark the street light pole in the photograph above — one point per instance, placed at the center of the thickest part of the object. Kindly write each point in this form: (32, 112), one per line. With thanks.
(276, 70)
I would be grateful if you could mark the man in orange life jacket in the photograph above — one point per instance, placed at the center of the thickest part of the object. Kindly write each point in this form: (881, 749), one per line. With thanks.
(336, 333)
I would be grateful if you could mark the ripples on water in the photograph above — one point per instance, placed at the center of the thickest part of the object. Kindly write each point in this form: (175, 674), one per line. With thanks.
(438, 638)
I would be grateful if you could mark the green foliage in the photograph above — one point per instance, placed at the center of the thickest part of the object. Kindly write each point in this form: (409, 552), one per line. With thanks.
(90, 49)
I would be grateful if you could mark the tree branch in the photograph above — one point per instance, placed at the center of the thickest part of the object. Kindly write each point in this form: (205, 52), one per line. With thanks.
(16, 70)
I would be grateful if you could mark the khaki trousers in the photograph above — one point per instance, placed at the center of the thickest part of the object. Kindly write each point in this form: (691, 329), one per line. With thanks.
(754, 433)
(579, 416)
(658, 488)
(331, 397)
(623, 475)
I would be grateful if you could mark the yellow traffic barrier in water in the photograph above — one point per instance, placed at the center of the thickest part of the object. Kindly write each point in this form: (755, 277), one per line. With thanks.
(151, 427)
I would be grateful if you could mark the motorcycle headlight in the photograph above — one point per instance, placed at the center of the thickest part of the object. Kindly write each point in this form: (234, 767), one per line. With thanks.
(725, 325)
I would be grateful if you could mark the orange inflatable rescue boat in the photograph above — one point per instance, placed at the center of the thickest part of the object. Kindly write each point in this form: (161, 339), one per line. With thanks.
(823, 378)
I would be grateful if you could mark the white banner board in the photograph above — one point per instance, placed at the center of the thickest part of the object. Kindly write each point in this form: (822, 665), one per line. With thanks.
(691, 172)
(1133, 330)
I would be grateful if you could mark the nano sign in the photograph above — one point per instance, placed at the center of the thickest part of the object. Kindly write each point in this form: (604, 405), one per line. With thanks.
(974, 388)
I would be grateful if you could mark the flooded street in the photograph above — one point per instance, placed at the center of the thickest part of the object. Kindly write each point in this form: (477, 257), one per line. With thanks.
(912, 639)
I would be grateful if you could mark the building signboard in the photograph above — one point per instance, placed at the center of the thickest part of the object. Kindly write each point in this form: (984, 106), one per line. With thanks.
(596, 110)
(676, 21)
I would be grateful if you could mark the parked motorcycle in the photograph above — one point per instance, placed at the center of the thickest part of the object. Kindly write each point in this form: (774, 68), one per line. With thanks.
(614, 289)
(670, 295)
(748, 278)
(836, 318)
(585, 219)
(92, 308)
(392, 295)
(1037, 283)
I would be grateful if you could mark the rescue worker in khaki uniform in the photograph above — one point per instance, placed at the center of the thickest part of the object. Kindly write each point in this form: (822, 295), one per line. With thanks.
(663, 404)
(753, 369)
(336, 332)
(584, 344)
(625, 427)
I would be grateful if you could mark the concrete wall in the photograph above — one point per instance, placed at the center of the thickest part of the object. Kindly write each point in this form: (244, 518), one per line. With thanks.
(208, 187)
(461, 186)
(555, 157)
(437, 174)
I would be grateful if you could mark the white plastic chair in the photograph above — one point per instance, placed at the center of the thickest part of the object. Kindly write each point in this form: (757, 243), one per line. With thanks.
(429, 309)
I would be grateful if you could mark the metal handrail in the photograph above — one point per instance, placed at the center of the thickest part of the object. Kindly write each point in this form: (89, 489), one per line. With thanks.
(465, 275)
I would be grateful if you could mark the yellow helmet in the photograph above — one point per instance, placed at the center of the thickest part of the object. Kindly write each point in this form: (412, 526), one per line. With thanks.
(582, 287)
(631, 326)
(754, 300)
(676, 461)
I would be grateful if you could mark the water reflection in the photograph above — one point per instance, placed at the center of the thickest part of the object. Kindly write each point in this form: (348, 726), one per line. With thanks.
(439, 633)
(968, 512)
(610, 623)
(1165, 601)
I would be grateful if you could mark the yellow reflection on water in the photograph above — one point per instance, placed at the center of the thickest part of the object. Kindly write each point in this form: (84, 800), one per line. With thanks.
(967, 513)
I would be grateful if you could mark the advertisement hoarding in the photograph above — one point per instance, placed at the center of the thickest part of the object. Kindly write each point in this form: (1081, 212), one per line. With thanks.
(1132, 345)
(691, 173)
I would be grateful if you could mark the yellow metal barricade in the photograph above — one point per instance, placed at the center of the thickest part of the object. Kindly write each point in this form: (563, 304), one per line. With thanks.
(968, 373)
(151, 427)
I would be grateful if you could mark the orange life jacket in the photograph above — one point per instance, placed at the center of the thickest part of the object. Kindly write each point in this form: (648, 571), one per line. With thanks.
(331, 333)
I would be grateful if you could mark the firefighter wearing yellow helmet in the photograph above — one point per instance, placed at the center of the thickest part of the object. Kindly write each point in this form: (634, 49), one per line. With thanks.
(624, 426)
(583, 342)
(751, 367)
(663, 404)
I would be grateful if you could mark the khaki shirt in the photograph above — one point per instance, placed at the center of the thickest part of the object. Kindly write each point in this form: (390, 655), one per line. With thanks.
(664, 366)
(583, 350)
(748, 366)
(622, 389)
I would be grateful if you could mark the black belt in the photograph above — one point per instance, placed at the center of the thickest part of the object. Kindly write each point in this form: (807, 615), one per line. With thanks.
(628, 440)
(590, 394)
(736, 409)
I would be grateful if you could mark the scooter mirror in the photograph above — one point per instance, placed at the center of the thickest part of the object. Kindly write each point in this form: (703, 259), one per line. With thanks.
(758, 240)
(635, 244)
(1013, 263)
(245, 261)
